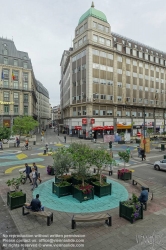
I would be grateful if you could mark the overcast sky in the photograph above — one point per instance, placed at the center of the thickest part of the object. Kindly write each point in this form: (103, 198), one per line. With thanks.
(45, 28)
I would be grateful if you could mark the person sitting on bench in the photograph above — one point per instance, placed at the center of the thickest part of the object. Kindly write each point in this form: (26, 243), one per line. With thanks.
(36, 205)
(143, 196)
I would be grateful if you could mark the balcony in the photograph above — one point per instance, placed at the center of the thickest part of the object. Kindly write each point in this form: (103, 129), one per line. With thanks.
(6, 99)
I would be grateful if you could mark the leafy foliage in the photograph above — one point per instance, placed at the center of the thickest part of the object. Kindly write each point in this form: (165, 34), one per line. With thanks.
(24, 124)
(81, 157)
(16, 194)
(15, 182)
(5, 133)
(62, 161)
(101, 158)
(135, 205)
(125, 156)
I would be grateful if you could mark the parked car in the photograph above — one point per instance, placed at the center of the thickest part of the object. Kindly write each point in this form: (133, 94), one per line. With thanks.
(160, 165)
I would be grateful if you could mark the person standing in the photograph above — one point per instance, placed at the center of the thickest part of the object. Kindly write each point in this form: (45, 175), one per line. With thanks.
(1, 145)
(36, 169)
(17, 142)
(143, 154)
(139, 151)
(26, 144)
(34, 179)
(27, 171)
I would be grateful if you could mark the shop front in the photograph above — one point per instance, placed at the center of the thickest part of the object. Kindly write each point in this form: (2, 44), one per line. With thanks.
(99, 131)
(77, 131)
(123, 128)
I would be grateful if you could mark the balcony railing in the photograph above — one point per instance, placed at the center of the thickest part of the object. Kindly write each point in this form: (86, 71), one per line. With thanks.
(6, 99)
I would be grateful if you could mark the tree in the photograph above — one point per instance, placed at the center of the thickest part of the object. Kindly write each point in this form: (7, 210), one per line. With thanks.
(101, 158)
(24, 124)
(5, 133)
(62, 162)
(125, 156)
(81, 157)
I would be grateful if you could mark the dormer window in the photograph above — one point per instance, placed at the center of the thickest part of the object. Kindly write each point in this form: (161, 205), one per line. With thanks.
(141, 48)
(25, 57)
(135, 46)
(123, 42)
(5, 52)
(114, 39)
(129, 44)
(147, 50)
(152, 52)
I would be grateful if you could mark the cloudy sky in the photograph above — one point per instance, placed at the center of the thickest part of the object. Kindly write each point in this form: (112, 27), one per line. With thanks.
(44, 28)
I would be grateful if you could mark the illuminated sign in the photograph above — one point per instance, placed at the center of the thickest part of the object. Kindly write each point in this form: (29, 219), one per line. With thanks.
(6, 102)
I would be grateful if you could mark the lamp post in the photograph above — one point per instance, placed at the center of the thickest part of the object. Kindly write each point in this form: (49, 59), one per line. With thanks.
(144, 128)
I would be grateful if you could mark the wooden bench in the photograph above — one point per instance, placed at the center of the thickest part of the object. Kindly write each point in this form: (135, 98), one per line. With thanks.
(89, 218)
(139, 182)
(104, 170)
(48, 215)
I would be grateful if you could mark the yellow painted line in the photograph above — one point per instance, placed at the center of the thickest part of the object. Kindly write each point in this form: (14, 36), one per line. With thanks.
(59, 145)
(132, 170)
(21, 156)
(9, 170)
(48, 154)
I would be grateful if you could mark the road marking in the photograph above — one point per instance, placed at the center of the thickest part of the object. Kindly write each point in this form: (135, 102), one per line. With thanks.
(59, 144)
(5, 164)
(9, 170)
(21, 156)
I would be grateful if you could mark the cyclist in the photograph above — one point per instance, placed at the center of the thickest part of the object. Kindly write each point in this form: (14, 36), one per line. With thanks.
(26, 144)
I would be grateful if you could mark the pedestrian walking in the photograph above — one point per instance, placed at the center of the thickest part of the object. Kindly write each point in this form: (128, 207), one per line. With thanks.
(143, 156)
(1, 145)
(17, 142)
(65, 138)
(38, 175)
(46, 147)
(27, 171)
(34, 179)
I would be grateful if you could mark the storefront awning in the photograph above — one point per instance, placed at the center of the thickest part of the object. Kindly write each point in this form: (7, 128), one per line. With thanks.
(77, 127)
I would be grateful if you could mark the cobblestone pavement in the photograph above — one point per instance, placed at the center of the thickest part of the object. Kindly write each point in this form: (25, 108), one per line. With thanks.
(149, 233)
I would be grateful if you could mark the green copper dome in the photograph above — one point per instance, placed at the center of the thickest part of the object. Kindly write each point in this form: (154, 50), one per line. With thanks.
(94, 13)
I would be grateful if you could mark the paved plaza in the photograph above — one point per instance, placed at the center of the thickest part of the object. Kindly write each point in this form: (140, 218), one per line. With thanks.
(149, 233)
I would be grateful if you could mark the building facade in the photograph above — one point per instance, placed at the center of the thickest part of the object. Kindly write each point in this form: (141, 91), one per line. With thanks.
(110, 83)
(42, 106)
(19, 90)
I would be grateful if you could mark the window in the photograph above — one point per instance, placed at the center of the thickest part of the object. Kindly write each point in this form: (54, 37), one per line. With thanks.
(108, 42)
(15, 109)
(161, 61)
(102, 112)
(94, 25)
(95, 52)
(6, 96)
(140, 76)
(140, 87)
(146, 56)
(128, 86)
(119, 59)
(109, 112)
(157, 69)
(145, 101)
(101, 40)
(139, 114)
(140, 54)
(25, 97)
(152, 90)
(103, 54)
(110, 56)
(151, 58)
(96, 66)
(109, 82)
(103, 97)
(25, 65)
(5, 60)
(103, 81)
(81, 29)
(146, 89)
(134, 74)
(25, 77)
(127, 60)
(25, 110)
(15, 84)
(95, 38)
(140, 64)
(15, 96)
(6, 109)
(102, 67)
(100, 27)
(119, 84)
(127, 113)
(134, 100)
(134, 52)
(5, 52)
(157, 60)
(15, 62)
(134, 86)
(128, 50)
(119, 71)
(75, 45)
(25, 85)
(95, 80)
(106, 29)
(109, 97)
(119, 47)
(110, 69)
(80, 42)
(95, 112)
(140, 100)
(119, 98)
(5, 83)
(127, 73)
(134, 114)
(146, 66)
(134, 63)
(84, 38)
(119, 113)
(85, 26)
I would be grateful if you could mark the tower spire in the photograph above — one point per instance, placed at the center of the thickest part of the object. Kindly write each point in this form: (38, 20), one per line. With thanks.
(92, 6)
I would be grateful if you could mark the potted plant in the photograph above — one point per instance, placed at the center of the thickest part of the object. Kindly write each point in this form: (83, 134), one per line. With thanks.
(131, 210)
(124, 174)
(15, 198)
(122, 141)
(101, 158)
(81, 155)
(62, 163)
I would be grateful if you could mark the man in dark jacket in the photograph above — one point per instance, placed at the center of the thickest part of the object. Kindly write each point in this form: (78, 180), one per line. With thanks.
(143, 196)
(27, 171)
(36, 204)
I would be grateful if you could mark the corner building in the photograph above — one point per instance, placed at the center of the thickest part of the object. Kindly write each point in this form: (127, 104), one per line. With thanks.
(110, 83)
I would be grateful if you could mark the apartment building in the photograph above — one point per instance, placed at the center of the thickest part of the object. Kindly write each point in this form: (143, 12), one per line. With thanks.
(110, 83)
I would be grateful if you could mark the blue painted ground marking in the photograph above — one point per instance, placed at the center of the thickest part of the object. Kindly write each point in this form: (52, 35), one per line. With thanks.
(20, 162)
(9, 157)
(71, 205)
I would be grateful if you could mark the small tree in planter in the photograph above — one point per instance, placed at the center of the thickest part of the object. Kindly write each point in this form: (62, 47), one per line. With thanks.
(62, 163)
(124, 173)
(15, 198)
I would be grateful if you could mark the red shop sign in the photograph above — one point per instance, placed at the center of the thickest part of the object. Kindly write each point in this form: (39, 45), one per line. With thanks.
(92, 121)
(108, 127)
(84, 121)
(78, 127)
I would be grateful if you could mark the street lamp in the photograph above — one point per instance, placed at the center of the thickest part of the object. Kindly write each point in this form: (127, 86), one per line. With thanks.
(144, 128)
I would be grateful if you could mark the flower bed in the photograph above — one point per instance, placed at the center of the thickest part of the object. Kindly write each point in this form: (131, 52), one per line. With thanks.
(83, 193)
(124, 174)
(67, 178)
(61, 189)
(131, 210)
(102, 189)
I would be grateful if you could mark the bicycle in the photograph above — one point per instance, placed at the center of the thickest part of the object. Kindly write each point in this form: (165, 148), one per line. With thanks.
(23, 148)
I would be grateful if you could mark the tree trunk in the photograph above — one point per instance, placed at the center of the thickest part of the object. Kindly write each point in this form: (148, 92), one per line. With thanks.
(83, 183)
(100, 177)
